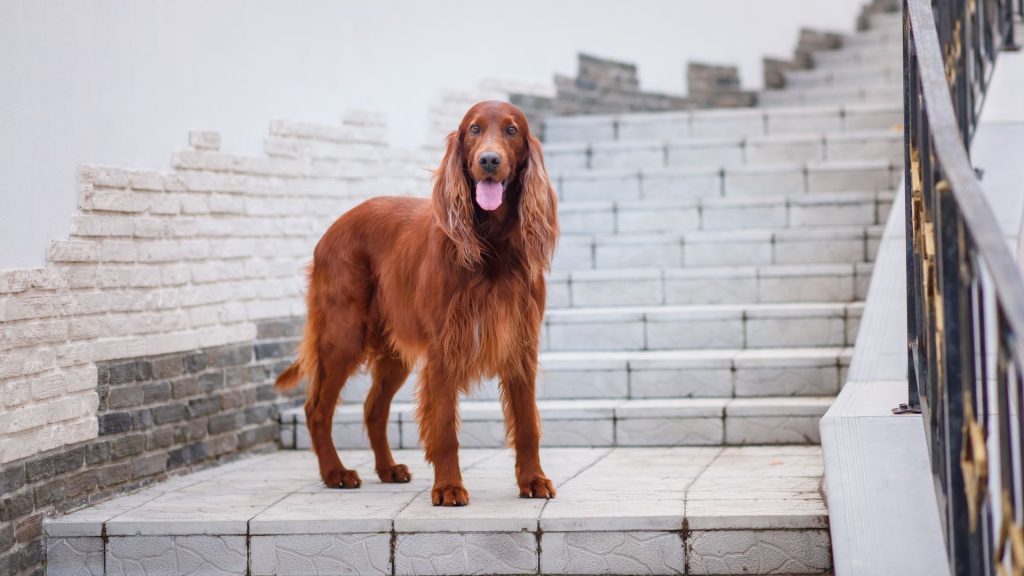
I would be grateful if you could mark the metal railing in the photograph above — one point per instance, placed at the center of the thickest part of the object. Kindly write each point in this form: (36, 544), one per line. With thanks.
(965, 293)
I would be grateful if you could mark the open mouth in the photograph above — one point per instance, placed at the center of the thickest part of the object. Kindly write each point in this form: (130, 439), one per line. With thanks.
(489, 193)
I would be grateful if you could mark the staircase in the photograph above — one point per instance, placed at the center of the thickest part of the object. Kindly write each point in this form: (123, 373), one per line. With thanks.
(702, 308)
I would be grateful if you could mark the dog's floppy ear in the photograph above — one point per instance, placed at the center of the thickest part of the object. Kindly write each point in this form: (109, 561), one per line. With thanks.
(538, 207)
(453, 205)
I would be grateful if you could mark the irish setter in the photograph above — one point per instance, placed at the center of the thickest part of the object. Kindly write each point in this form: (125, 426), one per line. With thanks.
(457, 282)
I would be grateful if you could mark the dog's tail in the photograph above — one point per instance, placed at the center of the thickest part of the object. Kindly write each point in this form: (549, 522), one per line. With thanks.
(307, 363)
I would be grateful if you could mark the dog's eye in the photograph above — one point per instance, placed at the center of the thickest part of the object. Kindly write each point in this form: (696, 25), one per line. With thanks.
(475, 128)
(511, 131)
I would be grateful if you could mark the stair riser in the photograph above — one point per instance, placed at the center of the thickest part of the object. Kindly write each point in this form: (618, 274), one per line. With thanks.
(598, 432)
(700, 333)
(811, 96)
(660, 185)
(796, 213)
(887, 147)
(708, 289)
(722, 124)
(586, 255)
(844, 77)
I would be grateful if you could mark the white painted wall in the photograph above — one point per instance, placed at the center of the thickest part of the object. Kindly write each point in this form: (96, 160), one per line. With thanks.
(121, 83)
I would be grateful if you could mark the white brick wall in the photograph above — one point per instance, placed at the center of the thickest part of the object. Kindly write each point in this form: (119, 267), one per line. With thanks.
(167, 262)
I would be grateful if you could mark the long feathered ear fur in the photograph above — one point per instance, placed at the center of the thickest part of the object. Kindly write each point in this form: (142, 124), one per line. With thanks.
(453, 205)
(538, 208)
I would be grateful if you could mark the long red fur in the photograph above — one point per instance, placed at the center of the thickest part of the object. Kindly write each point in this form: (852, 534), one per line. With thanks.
(397, 281)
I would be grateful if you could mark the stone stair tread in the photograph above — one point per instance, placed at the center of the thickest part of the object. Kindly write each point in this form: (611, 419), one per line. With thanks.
(577, 409)
(272, 513)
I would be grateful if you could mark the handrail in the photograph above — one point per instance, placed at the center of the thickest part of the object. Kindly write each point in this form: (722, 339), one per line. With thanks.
(965, 293)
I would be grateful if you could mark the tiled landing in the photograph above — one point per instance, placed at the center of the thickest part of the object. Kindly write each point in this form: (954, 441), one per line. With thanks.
(711, 511)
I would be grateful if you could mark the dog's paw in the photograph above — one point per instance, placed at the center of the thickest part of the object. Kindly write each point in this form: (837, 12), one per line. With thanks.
(397, 474)
(342, 478)
(537, 487)
(449, 495)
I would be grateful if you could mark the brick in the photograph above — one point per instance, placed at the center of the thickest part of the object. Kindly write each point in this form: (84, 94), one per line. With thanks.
(187, 455)
(236, 355)
(30, 557)
(12, 477)
(159, 439)
(97, 453)
(185, 387)
(81, 484)
(202, 407)
(49, 493)
(204, 140)
(191, 431)
(258, 414)
(17, 504)
(223, 444)
(114, 474)
(149, 465)
(126, 446)
(211, 382)
(54, 464)
(156, 392)
(275, 349)
(6, 538)
(195, 362)
(29, 528)
(167, 367)
(226, 422)
(129, 396)
(16, 392)
(48, 386)
(259, 435)
(274, 329)
(169, 413)
(116, 423)
(23, 419)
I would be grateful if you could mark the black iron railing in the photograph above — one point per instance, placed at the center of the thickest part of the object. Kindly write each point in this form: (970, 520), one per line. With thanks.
(965, 294)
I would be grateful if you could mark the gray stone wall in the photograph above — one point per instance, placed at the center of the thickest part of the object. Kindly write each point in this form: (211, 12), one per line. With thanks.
(159, 416)
(603, 86)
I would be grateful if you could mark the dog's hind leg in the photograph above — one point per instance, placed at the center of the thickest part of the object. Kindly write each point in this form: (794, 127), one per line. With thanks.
(340, 353)
(389, 373)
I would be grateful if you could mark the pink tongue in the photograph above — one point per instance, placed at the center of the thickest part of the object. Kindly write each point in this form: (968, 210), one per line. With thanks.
(488, 194)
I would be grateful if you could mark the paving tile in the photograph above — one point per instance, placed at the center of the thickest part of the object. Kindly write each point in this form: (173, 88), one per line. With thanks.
(333, 512)
(305, 554)
(788, 552)
(620, 552)
(78, 556)
(466, 553)
(212, 555)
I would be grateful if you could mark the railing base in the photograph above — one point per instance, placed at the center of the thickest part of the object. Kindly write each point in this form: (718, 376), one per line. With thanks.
(904, 408)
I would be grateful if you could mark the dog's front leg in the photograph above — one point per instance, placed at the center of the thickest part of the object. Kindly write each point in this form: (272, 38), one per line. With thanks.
(522, 425)
(438, 414)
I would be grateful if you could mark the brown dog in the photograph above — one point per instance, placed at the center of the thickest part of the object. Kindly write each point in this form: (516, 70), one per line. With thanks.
(456, 281)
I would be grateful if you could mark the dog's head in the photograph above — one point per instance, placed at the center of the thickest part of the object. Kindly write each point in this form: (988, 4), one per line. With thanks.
(493, 168)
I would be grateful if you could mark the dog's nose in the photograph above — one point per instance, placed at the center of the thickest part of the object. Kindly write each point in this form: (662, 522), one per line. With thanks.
(490, 161)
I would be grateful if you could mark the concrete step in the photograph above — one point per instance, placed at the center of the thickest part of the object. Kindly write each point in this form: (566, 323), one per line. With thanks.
(726, 152)
(724, 511)
(598, 423)
(720, 213)
(723, 123)
(862, 93)
(807, 283)
(883, 34)
(712, 327)
(886, 55)
(831, 245)
(739, 181)
(844, 76)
